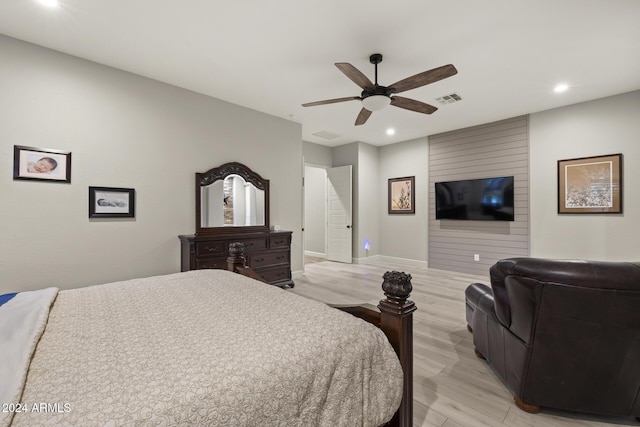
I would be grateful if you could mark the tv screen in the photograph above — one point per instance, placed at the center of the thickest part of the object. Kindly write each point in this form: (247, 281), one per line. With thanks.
(488, 199)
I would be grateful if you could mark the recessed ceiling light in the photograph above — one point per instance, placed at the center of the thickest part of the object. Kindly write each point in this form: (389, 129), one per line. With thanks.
(50, 3)
(562, 87)
(391, 131)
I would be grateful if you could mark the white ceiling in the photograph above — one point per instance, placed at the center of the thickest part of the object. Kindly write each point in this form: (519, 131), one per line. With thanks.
(273, 56)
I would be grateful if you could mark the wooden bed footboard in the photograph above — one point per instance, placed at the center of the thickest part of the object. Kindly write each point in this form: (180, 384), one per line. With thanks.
(393, 315)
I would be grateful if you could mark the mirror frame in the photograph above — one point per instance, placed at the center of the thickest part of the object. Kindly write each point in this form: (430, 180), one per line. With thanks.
(220, 173)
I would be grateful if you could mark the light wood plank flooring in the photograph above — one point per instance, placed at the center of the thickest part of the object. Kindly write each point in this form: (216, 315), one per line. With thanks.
(452, 387)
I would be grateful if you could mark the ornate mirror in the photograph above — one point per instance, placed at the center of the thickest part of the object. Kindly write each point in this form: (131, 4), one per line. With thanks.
(231, 198)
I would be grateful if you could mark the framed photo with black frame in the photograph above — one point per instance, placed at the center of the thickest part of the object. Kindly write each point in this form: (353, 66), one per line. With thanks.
(402, 195)
(112, 202)
(41, 164)
(590, 185)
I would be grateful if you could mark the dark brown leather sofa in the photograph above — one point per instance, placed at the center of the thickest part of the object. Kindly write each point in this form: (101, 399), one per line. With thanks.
(561, 334)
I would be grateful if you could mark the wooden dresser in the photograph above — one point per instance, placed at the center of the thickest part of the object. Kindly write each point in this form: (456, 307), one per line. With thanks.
(267, 252)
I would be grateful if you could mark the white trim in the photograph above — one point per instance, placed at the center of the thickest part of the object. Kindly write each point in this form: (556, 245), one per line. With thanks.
(371, 260)
(384, 260)
(314, 165)
(316, 254)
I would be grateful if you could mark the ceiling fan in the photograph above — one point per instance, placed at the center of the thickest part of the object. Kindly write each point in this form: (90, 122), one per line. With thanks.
(375, 97)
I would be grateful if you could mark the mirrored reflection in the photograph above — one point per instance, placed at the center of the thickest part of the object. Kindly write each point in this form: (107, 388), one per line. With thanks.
(232, 202)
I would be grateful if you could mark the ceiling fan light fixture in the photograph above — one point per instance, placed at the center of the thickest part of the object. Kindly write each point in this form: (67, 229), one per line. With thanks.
(560, 88)
(50, 3)
(376, 102)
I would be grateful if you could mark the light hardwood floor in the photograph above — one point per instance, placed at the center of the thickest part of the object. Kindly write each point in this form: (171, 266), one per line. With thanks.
(452, 387)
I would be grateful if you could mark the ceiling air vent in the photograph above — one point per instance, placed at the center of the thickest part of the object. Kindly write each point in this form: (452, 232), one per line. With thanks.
(326, 134)
(449, 99)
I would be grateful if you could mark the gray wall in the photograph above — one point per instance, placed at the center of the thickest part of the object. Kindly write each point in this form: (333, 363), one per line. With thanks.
(367, 222)
(605, 126)
(316, 154)
(404, 238)
(491, 150)
(123, 131)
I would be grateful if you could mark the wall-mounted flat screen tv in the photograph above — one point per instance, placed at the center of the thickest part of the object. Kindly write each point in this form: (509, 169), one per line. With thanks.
(488, 199)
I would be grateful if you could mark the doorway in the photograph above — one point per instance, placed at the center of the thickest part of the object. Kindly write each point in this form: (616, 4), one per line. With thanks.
(327, 213)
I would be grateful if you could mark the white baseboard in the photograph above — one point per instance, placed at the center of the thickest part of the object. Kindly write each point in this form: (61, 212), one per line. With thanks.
(386, 260)
(316, 254)
(297, 274)
(373, 260)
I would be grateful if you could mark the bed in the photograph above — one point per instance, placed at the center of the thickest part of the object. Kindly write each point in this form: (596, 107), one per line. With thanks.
(203, 347)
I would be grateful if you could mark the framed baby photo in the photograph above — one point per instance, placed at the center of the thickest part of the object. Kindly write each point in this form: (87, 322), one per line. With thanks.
(41, 164)
(111, 202)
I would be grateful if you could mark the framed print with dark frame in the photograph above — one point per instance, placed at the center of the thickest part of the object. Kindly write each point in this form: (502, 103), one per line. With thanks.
(402, 195)
(590, 185)
(41, 164)
(111, 202)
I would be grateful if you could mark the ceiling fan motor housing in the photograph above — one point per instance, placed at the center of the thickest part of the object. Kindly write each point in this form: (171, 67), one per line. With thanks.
(377, 90)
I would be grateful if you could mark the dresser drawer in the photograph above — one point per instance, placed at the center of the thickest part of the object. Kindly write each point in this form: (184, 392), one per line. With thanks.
(218, 263)
(276, 242)
(263, 259)
(211, 248)
(251, 245)
(274, 275)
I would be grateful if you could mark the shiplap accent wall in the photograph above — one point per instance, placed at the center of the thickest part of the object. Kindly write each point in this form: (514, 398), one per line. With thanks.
(490, 150)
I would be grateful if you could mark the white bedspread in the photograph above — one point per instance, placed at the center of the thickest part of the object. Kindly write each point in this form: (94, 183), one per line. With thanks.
(22, 322)
(207, 348)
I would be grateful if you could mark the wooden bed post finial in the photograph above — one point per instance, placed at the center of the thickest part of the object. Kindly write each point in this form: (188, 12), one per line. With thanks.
(237, 263)
(236, 256)
(397, 286)
(396, 320)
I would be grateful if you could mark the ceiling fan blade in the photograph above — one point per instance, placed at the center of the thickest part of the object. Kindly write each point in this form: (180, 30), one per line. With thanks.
(412, 104)
(424, 78)
(331, 101)
(363, 117)
(355, 75)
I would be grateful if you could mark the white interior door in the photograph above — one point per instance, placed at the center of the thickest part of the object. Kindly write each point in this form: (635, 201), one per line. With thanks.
(339, 229)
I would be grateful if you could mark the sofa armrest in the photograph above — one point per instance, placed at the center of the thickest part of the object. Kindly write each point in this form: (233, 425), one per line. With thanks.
(479, 297)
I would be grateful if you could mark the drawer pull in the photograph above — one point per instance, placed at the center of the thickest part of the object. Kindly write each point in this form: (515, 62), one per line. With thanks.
(213, 249)
(259, 259)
